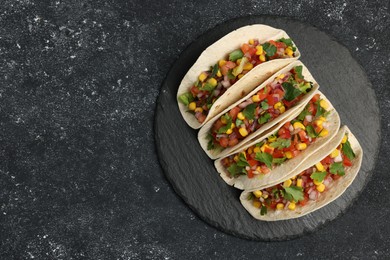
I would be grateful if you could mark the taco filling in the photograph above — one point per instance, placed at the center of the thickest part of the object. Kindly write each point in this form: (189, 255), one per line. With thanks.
(267, 104)
(213, 83)
(307, 186)
(290, 140)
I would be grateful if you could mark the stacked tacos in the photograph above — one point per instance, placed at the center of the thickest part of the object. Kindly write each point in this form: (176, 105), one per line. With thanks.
(271, 131)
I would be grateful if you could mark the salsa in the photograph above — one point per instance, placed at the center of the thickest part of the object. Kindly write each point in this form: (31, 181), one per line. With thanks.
(307, 185)
(267, 104)
(286, 143)
(213, 83)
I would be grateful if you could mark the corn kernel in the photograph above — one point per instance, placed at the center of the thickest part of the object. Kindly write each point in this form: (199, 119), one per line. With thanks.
(320, 167)
(280, 206)
(236, 158)
(213, 82)
(257, 193)
(259, 50)
(265, 146)
(289, 51)
(291, 206)
(277, 105)
(198, 109)
(192, 106)
(262, 57)
(221, 63)
(335, 153)
(243, 131)
(240, 116)
(324, 132)
(251, 41)
(345, 139)
(281, 76)
(265, 196)
(240, 76)
(202, 77)
(324, 104)
(288, 155)
(219, 74)
(256, 149)
(272, 139)
(321, 187)
(323, 119)
(256, 98)
(282, 109)
(287, 183)
(256, 204)
(233, 125)
(299, 182)
(248, 66)
(318, 122)
(250, 150)
(238, 61)
(293, 178)
(229, 131)
(317, 182)
(258, 169)
(301, 146)
(297, 125)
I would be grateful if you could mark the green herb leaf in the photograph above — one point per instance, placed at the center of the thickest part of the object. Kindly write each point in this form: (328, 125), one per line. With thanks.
(298, 71)
(295, 192)
(214, 71)
(260, 144)
(263, 210)
(281, 143)
(275, 191)
(291, 92)
(186, 98)
(230, 74)
(249, 111)
(242, 162)
(347, 150)
(264, 118)
(320, 110)
(318, 176)
(239, 122)
(287, 41)
(264, 105)
(337, 168)
(250, 196)
(228, 125)
(270, 49)
(311, 132)
(210, 143)
(278, 160)
(303, 114)
(235, 55)
(234, 169)
(265, 158)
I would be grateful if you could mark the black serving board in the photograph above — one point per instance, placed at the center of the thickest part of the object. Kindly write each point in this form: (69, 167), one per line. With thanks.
(192, 173)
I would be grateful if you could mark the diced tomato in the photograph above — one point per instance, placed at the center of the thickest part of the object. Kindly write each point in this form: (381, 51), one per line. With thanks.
(270, 100)
(273, 204)
(305, 200)
(217, 125)
(346, 161)
(194, 90)
(245, 48)
(278, 154)
(252, 162)
(233, 112)
(269, 149)
(287, 125)
(302, 136)
(305, 122)
(288, 104)
(280, 45)
(200, 116)
(233, 142)
(273, 42)
(327, 160)
(315, 98)
(252, 52)
(312, 108)
(250, 174)
(335, 176)
(223, 141)
(283, 133)
(279, 92)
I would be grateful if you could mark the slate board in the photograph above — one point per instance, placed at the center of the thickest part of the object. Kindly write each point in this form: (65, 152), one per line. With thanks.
(192, 173)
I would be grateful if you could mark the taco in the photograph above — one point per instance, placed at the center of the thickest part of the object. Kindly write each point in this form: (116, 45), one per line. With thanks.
(230, 68)
(269, 159)
(267, 105)
(321, 179)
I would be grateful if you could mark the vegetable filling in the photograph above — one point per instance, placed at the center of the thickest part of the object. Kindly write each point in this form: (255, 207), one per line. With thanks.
(213, 83)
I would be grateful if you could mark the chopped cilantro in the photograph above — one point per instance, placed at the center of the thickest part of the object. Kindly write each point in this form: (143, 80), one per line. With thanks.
(320, 109)
(264, 118)
(265, 158)
(230, 74)
(278, 160)
(291, 92)
(270, 49)
(242, 162)
(263, 210)
(264, 105)
(347, 150)
(239, 122)
(337, 168)
(295, 192)
(214, 71)
(318, 176)
(281, 143)
(249, 111)
(228, 125)
(311, 132)
(298, 71)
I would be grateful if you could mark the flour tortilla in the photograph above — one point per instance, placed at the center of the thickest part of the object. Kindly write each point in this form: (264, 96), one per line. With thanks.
(286, 168)
(203, 132)
(333, 191)
(219, 50)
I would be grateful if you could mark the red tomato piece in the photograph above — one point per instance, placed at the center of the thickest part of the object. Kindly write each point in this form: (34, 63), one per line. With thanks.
(252, 162)
(278, 154)
(315, 98)
(245, 48)
(270, 100)
(346, 161)
(250, 174)
(223, 141)
(233, 142)
(233, 112)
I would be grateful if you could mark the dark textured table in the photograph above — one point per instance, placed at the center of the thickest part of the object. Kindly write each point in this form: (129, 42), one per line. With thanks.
(79, 175)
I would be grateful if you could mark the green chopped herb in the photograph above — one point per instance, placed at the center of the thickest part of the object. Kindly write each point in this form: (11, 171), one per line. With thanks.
(264, 105)
(264, 118)
(281, 143)
(303, 114)
(263, 210)
(230, 74)
(186, 98)
(210, 143)
(214, 71)
(249, 111)
(239, 122)
(291, 92)
(337, 168)
(270, 49)
(320, 110)
(207, 87)
(318, 176)
(228, 125)
(235, 55)
(311, 132)
(295, 192)
(265, 158)
(298, 71)
(242, 162)
(347, 150)
(250, 196)
(278, 160)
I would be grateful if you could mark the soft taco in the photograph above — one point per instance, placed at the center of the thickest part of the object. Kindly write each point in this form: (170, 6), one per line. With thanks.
(230, 68)
(267, 105)
(321, 179)
(269, 159)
